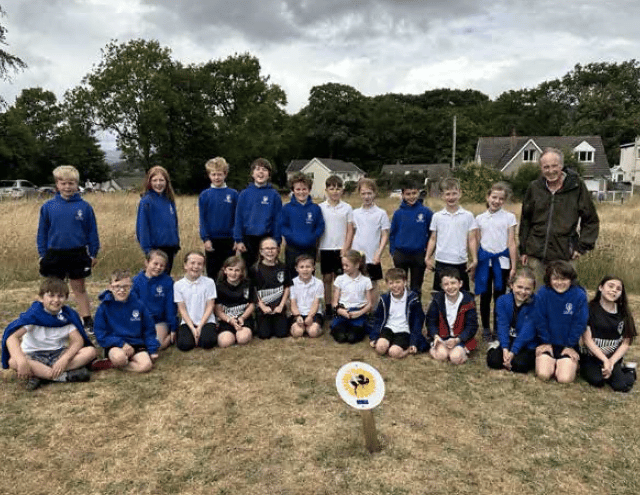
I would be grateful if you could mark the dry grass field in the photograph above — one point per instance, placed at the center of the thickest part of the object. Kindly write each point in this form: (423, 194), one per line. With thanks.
(266, 418)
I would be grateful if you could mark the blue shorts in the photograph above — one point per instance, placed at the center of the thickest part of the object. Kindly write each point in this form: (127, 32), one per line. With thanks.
(48, 358)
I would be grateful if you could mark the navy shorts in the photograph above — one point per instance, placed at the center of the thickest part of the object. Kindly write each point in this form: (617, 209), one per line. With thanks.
(400, 339)
(136, 349)
(330, 261)
(374, 271)
(48, 358)
(62, 263)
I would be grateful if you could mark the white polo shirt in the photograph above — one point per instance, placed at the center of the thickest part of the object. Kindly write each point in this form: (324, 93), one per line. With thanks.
(305, 293)
(397, 321)
(336, 219)
(195, 296)
(494, 232)
(39, 338)
(369, 224)
(353, 291)
(452, 311)
(452, 231)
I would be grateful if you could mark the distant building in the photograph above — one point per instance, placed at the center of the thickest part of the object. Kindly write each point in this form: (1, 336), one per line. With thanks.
(432, 173)
(630, 162)
(321, 168)
(508, 154)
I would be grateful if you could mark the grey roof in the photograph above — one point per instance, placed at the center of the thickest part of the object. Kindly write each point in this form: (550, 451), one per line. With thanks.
(401, 168)
(330, 163)
(498, 151)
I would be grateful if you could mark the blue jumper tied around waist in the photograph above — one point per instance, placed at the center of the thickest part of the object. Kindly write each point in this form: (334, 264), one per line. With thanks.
(482, 270)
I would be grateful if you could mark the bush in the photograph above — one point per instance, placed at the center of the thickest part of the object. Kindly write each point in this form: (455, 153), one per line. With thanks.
(476, 180)
(520, 182)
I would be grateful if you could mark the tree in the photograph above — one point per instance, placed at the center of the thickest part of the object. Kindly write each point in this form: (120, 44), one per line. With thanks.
(8, 62)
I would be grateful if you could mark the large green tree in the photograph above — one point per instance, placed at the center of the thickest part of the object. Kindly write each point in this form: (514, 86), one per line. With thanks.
(8, 62)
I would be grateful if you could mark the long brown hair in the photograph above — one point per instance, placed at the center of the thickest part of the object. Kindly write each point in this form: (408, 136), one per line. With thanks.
(168, 191)
(629, 331)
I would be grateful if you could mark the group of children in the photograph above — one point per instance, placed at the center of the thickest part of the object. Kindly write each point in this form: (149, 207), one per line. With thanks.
(249, 292)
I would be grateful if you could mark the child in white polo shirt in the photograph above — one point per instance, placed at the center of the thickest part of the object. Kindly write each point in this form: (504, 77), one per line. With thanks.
(496, 254)
(452, 231)
(306, 295)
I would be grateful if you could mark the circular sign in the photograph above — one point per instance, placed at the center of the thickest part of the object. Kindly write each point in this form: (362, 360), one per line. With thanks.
(360, 385)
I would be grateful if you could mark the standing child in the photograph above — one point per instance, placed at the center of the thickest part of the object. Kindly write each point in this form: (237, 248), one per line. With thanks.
(157, 221)
(217, 207)
(609, 334)
(371, 232)
(124, 327)
(515, 326)
(452, 321)
(307, 296)
(496, 255)
(301, 223)
(272, 283)
(54, 345)
(399, 319)
(352, 300)
(561, 318)
(452, 231)
(154, 287)
(337, 237)
(257, 213)
(409, 236)
(234, 305)
(68, 238)
(195, 296)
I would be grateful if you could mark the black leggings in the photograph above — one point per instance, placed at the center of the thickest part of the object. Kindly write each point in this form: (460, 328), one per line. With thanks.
(486, 296)
(208, 337)
(621, 380)
(273, 325)
(523, 362)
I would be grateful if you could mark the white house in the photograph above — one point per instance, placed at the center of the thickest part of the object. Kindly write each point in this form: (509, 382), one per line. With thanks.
(321, 168)
(630, 162)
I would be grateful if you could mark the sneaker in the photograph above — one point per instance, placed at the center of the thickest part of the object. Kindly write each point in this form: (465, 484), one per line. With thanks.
(486, 335)
(101, 364)
(33, 383)
(79, 375)
(88, 325)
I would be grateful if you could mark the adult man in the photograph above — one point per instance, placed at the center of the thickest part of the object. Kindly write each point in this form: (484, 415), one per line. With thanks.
(559, 220)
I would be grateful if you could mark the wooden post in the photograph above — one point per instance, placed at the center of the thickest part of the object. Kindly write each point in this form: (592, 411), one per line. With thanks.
(370, 434)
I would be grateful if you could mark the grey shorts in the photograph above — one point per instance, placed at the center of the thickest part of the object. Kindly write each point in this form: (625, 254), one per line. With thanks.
(48, 358)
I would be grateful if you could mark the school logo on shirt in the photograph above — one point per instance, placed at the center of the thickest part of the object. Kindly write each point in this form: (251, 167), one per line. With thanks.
(420, 218)
(228, 198)
(171, 209)
(512, 333)
(280, 276)
(245, 293)
(568, 309)
(620, 327)
(265, 200)
(79, 215)
(309, 217)
(135, 315)
(159, 291)
(61, 316)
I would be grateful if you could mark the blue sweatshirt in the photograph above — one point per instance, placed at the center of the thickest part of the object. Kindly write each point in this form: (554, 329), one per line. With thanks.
(257, 213)
(157, 222)
(525, 328)
(129, 322)
(67, 224)
(561, 318)
(415, 319)
(301, 225)
(157, 295)
(217, 207)
(410, 228)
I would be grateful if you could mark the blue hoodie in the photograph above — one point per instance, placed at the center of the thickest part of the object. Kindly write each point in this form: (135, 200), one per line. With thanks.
(67, 224)
(257, 213)
(128, 322)
(410, 228)
(157, 295)
(37, 315)
(561, 318)
(525, 329)
(217, 207)
(301, 225)
(157, 222)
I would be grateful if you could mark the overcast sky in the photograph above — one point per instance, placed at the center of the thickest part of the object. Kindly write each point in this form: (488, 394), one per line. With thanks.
(376, 46)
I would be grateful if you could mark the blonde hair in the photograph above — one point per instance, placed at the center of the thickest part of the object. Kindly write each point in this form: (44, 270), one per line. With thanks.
(217, 164)
(158, 170)
(369, 184)
(66, 172)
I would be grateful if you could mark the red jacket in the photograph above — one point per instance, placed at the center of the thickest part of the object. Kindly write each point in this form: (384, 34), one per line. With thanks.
(465, 326)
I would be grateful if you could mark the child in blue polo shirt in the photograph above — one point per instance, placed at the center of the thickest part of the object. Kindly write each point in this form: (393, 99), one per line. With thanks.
(301, 223)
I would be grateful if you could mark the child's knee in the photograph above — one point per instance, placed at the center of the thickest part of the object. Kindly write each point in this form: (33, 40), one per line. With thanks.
(397, 352)
(297, 330)
(314, 330)
(382, 346)
(439, 353)
(118, 358)
(226, 339)
(243, 336)
(458, 355)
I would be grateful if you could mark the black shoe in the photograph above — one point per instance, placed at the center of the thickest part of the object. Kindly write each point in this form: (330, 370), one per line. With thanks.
(34, 383)
(87, 322)
(79, 375)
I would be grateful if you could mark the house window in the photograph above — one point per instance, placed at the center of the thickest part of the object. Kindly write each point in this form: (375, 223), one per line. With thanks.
(529, 156)
(584, 156)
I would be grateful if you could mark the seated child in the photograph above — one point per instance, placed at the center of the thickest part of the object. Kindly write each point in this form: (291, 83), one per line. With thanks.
(234, 305)
(609, 334)
(352, 299)
(399, 319)
(515, 326)
(307, 294)
(54, 345)
(124, 327)
(452, 320)
(561, 318)
(154, 287)
(195, 295)
(272, 283)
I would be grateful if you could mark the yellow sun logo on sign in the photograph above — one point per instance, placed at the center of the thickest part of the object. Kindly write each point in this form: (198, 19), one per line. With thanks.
(359, 383)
